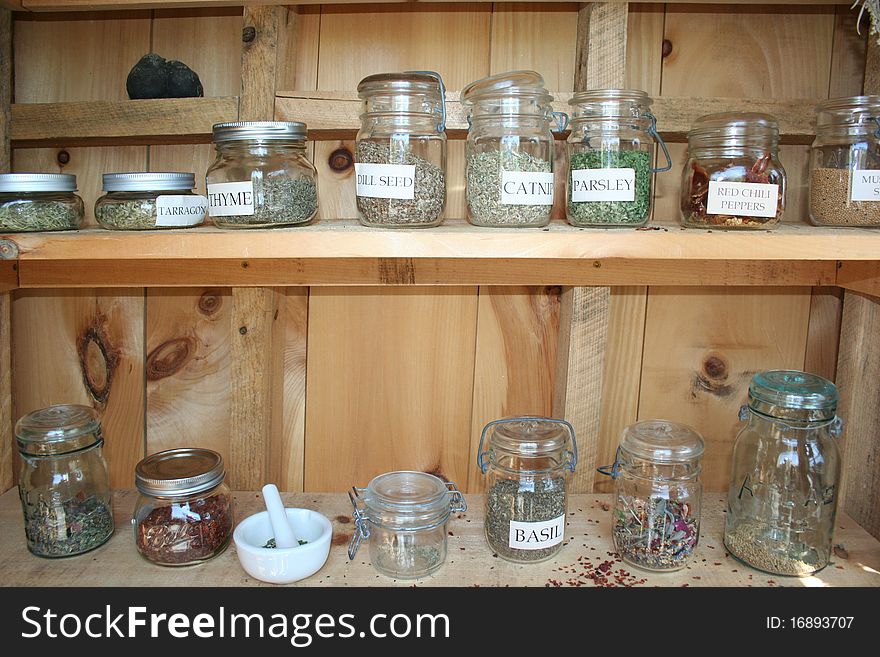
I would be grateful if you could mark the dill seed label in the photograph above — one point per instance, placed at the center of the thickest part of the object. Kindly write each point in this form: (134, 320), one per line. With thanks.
(231, 199)
(180, 210)
(594, 185)
(386, 180)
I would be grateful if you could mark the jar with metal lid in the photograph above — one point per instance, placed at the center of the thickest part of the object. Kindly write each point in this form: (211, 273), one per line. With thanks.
(785, 474)
(261, 177)
(526, 461)
(404, 515)
(39, 201)
(733, 177)
(657, 494)
(63, 481)
(509, 149)
(845, 163)
(400, 154)
(144, 201)
(610, 156)
(183, 515)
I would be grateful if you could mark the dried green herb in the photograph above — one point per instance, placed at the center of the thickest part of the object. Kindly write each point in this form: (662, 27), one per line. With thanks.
(484, 178)
(611, 213)
(278, 201)
(404, 556)
(23, 215)
(68, 527)
(654, 532)
(271, 543)
(129, 214)
(531, 500)
(429, 193)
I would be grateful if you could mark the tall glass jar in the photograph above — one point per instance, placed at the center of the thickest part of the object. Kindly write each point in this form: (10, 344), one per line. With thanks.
(657, 494)
(143, 201)
(404, 515)
(845, 163)
(63, 481)
(39, 201)
(261, 177)
(785, 474)
(400, 155)
(733, 177)
(183, 515)
(610, 153)
(526, 462)
(509, 150)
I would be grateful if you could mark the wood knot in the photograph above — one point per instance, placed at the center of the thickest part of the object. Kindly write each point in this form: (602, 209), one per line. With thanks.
(169, 358)
(715, 368)
(340, 160)
(98, 360)
(210, 302)
(341, 539)
(248, 34)
(667, 48)
(63, 157)
(713, 375)
(342, 519)
(437, 472)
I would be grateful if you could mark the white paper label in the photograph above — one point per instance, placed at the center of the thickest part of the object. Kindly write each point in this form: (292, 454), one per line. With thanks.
(180, 210)
(536, 535)
(742, 199)
(526, 188)
(592, 185)
(386, 180)
(231, 199)
(865, 185)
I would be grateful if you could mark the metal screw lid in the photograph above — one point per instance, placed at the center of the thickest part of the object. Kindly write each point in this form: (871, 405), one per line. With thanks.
(58, 429)
(260, 131)
(793, 395)
(662, 441)
(37, 182)
(148, 182)
(179, 472)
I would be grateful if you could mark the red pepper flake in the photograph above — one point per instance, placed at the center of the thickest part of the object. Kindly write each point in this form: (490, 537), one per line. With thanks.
(185, 532)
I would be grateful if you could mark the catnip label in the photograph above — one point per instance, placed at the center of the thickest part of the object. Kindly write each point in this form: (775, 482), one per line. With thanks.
(386, 180)
(596, 185)
(231, 199)
(742, 199)
(865, 185)
(180, 210)
(526, 188)
(536, 535)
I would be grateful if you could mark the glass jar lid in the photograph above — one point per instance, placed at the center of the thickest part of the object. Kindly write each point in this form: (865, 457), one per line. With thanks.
(179, 472)
(735, 129)
(500, 85)
(398, 82)
(150, 181)
(58, 430)
(609, 104)
(529, 437)
(793, 395)
(407, 492)
(260, 131)
(662, 441)
(37, 182)
(852, 110)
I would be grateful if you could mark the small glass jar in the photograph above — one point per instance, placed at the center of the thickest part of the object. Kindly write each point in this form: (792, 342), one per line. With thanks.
(785, 474)
(63, 481)
(261, 177)
(657, 494)
(32, 202)
(610, 152)
(733, 177)
(400, 154)
(526, 462)
(509, 150)
(404, 515)
(144, 201)
(183, 515)
(845, 163)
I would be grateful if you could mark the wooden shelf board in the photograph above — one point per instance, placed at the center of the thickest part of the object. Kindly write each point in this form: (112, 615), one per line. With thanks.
(469, 562)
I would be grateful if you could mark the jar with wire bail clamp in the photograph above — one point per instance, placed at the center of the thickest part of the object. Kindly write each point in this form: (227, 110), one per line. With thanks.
(144, 201)
(32, 202)
(509, 149)
(261, 177)
(404, 515)
(400, 153)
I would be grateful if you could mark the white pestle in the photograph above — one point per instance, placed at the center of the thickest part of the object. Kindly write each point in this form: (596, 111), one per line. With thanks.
(285, 537)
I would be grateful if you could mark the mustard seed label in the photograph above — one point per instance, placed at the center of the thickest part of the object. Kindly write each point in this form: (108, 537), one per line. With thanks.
(865, 185)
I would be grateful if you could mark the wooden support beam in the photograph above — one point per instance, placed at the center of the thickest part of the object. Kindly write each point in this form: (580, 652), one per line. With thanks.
(259, 62)
(7, 457)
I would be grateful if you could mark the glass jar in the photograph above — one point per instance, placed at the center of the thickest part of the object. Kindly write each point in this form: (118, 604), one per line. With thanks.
(509, 150)
(404, 515)
(733, 177)
(261, 177)
(785, 473)
(63, 481)
(845, 163)
(400, 154)
(143, 201)
(39, 201)
(610, 151)
(657, 494)
(526, 462)
(183, 515)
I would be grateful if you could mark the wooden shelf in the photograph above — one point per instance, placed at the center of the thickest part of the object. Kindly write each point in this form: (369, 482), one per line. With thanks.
(344, 253)
(469, 562)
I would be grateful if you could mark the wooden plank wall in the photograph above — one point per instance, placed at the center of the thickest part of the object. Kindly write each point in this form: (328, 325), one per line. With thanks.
(324, 388)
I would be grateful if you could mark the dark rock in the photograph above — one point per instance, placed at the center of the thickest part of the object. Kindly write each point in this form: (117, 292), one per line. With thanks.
(148, 78)
(183, 82)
